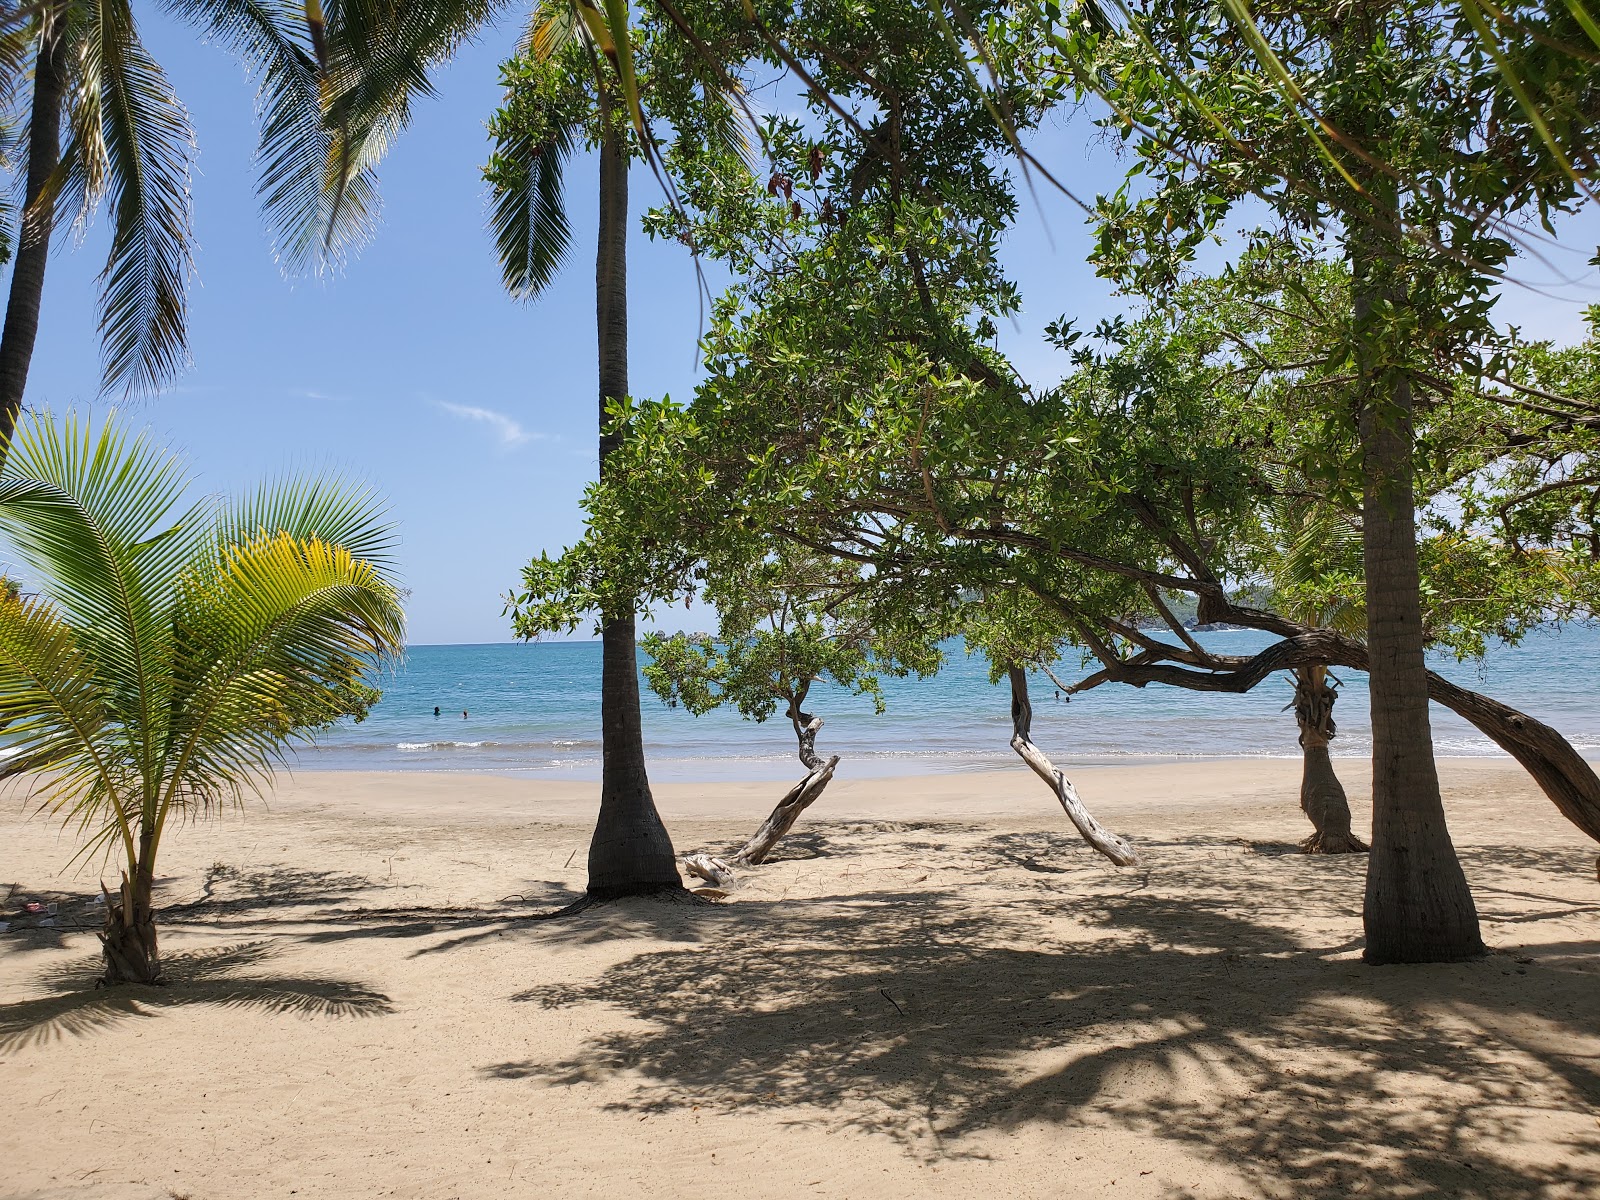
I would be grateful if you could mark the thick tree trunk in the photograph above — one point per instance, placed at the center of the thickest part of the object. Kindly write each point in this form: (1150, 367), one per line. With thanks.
(1418, 906)
(1322, 796)
(1102, 839)
(128, 941)
(630, 852)
(33, 250)
(722, 871)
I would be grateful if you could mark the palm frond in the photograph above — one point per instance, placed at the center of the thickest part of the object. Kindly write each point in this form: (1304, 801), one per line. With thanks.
(173, 653)
(147, 148)
(551, 27)
(271, 39)
(271, 637)
(381, 59)
(321, 507)
(96, 516)
(528, 208)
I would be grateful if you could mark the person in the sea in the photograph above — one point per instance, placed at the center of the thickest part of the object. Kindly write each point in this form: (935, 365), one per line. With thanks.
(436, 710)
(463, 714)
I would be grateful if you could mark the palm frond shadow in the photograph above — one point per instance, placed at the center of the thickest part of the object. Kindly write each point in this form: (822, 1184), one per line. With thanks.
(224, 977)
(927, 1019)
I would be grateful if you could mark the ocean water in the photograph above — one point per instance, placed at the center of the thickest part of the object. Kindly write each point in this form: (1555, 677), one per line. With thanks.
(535, 710)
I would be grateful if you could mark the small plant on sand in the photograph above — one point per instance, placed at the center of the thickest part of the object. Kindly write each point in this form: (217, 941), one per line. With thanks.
(164, 653)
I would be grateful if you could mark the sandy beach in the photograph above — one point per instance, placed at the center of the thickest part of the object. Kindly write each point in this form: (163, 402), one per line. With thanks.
(935, 990)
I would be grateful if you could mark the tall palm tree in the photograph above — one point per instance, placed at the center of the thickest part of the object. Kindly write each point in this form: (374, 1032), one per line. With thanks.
(581, 81)
(172, 650)
(631, 850)
(104, 126)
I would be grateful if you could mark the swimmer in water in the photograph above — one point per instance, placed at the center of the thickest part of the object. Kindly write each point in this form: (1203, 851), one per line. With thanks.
(436, 710)
(463, 714)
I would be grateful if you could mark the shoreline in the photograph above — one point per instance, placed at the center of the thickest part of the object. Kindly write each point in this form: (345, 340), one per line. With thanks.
(1125, 790)
(775, 767)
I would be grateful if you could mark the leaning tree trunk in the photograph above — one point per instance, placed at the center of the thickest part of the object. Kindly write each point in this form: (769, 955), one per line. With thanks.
(1418, 906)
(128, 941)
(1102, 839)
(630, 852)
(1322, 796)
(722, 871)
(38, 221)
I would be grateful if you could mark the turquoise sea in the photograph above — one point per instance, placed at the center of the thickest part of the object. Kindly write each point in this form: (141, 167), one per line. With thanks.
(535, 710)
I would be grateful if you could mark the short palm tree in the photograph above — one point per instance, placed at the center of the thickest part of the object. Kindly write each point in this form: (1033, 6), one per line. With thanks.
(171, 651)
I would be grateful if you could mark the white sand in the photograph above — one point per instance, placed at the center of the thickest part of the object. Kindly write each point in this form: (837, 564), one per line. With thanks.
(938, 991)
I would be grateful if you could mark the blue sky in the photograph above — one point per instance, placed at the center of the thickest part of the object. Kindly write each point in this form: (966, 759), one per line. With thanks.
(474, 415)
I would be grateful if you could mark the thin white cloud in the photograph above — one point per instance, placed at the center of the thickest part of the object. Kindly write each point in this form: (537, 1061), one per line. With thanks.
(508, 430)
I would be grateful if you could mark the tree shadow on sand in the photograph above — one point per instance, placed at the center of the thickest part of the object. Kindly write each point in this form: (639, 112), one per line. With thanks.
(224, 977)
(932, 1019)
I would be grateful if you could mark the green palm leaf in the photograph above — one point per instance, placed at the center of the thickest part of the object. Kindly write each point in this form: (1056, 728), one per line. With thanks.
(132, 144)
(173, 651)
(528, 207)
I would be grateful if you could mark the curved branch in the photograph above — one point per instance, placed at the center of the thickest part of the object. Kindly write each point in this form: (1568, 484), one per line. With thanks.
(1117, 849)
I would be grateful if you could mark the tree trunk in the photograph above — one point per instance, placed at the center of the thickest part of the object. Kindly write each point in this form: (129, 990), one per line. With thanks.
(1102, 839)
(128, 941)
(1322, 796)
(721, 871)
(630, 852)
(1418, 906)
(38, 222)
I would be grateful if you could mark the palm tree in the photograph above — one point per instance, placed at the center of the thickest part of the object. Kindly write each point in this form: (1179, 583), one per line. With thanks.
(332, 95)
(173, 651)
(581, 79)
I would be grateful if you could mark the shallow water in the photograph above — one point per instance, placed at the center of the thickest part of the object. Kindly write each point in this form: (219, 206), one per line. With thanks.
(535, 709)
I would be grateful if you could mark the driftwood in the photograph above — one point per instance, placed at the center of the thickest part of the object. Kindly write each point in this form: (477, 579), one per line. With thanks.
(721, 871)
(1102, 839)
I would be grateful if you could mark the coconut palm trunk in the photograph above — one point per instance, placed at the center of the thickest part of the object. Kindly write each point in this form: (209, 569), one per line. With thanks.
(1322, 796)
(33, 249)
(128, 941)
(1418, 906)
(630, 852)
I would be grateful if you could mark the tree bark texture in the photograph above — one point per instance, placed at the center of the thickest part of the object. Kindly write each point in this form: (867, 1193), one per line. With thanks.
(630, 852)
(1564, 775)
(1418, 906)
(1322, 796)
(1117, 849)
(128, 941)
(722, 871)
(38, 222)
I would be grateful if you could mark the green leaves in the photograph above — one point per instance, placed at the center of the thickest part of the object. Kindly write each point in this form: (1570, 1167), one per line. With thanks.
(172, 652)
(132, 147)
(534, 135)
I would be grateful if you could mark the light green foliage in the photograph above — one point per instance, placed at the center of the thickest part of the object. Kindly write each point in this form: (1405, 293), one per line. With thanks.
(1269, 330)
(1375, 94)
(1205, 449)
(785, 623)
(173, 651)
